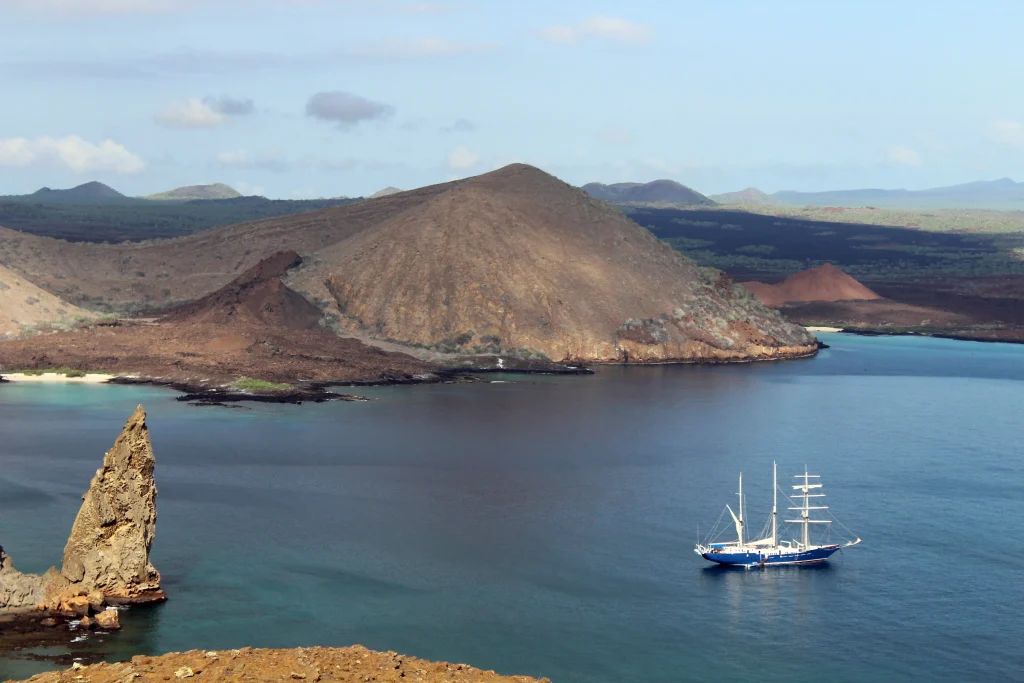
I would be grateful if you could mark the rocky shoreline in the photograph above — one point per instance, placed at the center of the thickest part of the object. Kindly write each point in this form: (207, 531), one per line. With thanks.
(882, 332)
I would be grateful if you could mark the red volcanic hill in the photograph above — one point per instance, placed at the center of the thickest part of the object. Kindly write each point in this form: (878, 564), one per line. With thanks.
(824, 283)
(256, 296)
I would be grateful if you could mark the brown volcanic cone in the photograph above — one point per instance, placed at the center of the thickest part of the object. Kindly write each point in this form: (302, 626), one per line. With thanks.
(519, 260)
(257, 296)
(824, 283)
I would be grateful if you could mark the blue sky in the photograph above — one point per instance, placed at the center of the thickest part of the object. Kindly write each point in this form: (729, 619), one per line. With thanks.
(307, 98)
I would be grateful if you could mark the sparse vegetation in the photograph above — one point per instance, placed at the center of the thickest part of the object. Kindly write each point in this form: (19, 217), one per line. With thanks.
(139, 220)
(771, 246)
(259, 386)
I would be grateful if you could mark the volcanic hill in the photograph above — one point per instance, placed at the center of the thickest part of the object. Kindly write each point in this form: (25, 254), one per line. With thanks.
(87, 193)
(654, 192)
(824, 283)
(514, 261)
(197, 192)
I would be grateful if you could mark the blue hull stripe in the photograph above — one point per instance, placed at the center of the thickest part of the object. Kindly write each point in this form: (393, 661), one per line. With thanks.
(753, 558)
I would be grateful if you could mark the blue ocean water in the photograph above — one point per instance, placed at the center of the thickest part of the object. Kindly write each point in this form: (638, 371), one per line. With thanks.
(545, 526)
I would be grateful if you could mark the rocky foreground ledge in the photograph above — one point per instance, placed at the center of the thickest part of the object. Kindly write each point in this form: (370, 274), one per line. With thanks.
(313, 664)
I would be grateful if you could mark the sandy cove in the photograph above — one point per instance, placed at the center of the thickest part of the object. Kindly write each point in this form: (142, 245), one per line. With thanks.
(53, 378)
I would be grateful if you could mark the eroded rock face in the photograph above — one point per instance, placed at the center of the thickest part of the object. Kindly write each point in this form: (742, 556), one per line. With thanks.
(108, 549)
(18, 590)
(106, 559)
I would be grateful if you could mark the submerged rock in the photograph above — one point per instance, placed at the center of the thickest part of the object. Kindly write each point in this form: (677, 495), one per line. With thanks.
(106, 559)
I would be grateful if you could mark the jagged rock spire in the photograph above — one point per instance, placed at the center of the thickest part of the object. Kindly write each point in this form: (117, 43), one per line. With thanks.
(106, 559)
(108, 549)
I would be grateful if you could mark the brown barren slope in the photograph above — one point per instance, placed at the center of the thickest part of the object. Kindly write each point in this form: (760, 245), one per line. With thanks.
(253, 327)
(824, 283)
(519, 260)
(314, 664)
(513, 261)
(23, 305)
(161, 272)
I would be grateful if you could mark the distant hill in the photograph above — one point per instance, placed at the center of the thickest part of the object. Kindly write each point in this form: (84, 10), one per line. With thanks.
(655, 192)
(824, 283)
(387, 191)
(197, 192)
(143, 219)
(1002, 194)
(514, 262)
(751, 195)
(88, 193)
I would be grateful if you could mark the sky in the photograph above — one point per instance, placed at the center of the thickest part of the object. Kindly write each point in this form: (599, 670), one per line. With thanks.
(324, 98)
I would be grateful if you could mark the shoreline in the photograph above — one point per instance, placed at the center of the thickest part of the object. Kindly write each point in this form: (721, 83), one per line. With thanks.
(875, 332)
(54, 378)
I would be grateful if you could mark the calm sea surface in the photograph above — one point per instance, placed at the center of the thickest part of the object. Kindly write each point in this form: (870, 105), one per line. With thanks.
(545, 526)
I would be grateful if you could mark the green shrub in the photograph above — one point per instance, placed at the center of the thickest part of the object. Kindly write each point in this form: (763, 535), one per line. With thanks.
(259, 385)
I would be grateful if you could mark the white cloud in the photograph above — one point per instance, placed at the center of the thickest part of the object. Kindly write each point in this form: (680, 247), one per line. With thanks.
(73, 152)
(1008, 132)
(462, 159)
(618, 30)
(190, 113)
(611, 29)
(94, 7)
(904, 156)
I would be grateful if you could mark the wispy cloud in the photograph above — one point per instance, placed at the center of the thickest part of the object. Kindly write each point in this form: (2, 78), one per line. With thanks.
(71, 152)
(610, 29)
(209, 112)
(231, 106)
(63, 8)
(200, 62)
(346, 109)
(462, 159)
(904, 156)
(190, 113)
(1008, 132)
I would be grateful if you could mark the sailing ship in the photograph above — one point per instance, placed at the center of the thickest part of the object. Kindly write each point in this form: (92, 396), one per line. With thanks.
(769, 549)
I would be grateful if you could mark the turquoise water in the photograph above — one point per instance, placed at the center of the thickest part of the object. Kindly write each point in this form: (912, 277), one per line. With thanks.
(545, 526)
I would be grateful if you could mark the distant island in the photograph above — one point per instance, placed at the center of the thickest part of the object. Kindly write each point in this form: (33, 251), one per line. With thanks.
(655, 192)
(513, 269)
(1002, 194)
(197, 193)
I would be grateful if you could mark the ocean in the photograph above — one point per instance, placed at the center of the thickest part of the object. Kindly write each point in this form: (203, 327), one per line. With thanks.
(544, 525)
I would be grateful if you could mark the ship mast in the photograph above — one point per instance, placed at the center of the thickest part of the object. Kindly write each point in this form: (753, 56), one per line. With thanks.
(775, 505)
(739, 526)
(805, 509)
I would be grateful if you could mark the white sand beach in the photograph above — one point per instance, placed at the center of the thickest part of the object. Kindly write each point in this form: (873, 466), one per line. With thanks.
(53, 377)
(816, 328)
